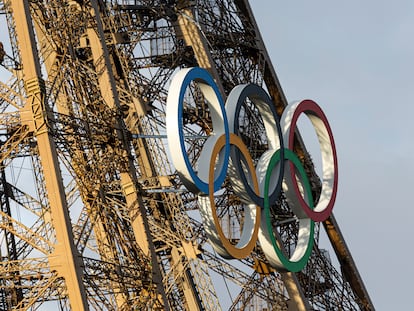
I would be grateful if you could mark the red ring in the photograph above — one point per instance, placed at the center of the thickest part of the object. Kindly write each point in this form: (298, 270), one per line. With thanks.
(310, 107)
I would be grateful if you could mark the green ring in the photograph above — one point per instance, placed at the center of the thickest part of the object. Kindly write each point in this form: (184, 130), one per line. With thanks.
(293, 266)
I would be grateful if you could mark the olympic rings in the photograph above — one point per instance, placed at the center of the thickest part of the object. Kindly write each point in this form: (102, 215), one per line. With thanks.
(224, 154)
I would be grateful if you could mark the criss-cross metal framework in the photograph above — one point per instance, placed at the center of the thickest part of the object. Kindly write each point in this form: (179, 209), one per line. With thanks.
(93, 215)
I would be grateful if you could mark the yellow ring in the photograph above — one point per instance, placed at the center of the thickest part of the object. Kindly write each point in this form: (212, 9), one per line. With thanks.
(245, 249)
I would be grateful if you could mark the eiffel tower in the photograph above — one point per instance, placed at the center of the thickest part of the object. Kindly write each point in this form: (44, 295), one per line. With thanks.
(93, 214)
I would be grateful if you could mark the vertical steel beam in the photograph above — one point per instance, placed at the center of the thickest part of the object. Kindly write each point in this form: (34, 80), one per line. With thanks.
(190, 31)
(65, 258)
(129, 180)
(103, 237)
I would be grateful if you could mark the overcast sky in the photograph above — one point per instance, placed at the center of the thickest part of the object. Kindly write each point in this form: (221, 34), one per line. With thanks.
(356, 59)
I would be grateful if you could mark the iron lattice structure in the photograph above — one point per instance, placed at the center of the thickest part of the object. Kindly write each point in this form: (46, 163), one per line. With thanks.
(93, 216)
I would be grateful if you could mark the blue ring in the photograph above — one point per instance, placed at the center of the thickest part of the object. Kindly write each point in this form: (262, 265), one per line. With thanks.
(201, 75)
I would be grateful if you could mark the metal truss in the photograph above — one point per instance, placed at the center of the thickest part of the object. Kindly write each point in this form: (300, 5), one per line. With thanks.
(93, 215)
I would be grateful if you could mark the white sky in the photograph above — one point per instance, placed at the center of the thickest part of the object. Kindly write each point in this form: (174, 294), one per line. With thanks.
(355, 58)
